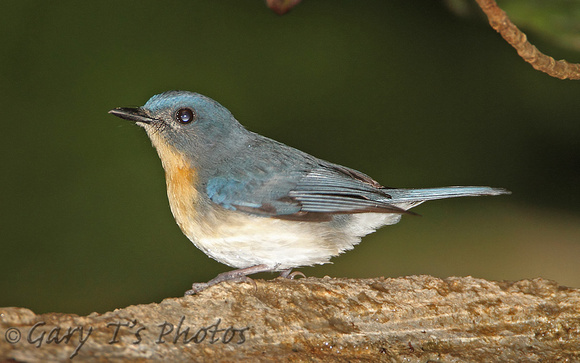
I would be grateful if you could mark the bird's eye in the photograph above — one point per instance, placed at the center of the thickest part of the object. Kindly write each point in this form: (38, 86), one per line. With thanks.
(185, 115)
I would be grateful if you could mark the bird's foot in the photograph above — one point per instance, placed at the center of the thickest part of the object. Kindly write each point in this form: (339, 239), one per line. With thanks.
(197, 287)
(239, 275)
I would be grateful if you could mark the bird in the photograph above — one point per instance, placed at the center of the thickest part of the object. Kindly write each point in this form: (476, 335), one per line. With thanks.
(256, 204)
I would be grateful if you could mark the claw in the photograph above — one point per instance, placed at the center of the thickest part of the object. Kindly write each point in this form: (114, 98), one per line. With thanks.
(250, 280)
(287, 274)
(294, 274)
(197, 287)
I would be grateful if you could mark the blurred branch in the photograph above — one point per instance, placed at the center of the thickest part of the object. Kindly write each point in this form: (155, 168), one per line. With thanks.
(499, 20)
(412, 319)
(281, 7)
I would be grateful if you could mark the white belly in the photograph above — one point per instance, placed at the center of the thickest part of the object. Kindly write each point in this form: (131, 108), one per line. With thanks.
(241, 240)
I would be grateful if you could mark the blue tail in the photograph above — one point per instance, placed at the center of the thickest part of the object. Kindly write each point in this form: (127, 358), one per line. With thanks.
(421, 195)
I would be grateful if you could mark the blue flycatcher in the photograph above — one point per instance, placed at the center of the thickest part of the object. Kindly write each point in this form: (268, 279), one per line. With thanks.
(256, 204)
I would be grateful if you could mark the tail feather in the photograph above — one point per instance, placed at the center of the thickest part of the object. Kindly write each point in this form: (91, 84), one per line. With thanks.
(416, 196)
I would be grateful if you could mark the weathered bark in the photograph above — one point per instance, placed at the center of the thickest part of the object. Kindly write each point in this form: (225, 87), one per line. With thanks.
(410, 319)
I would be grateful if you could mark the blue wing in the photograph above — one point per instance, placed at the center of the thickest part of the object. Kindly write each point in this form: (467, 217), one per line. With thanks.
(299, 194)
(281, 182)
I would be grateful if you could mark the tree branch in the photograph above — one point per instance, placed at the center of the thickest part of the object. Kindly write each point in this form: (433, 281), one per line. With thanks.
(414, 319)
(499, 20)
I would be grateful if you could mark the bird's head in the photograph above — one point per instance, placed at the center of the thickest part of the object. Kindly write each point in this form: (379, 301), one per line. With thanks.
(187, 123)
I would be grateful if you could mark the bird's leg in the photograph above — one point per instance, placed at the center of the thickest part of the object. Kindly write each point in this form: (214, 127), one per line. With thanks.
(284, 273)
(288, 274)
(234, 276)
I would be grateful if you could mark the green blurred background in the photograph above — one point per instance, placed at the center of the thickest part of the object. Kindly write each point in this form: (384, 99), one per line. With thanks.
(406, 91)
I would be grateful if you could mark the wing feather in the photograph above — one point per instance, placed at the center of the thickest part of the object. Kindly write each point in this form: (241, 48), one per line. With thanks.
(325, 190)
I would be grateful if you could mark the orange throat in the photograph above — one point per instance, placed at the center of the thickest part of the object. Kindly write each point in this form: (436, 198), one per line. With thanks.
(181, 182)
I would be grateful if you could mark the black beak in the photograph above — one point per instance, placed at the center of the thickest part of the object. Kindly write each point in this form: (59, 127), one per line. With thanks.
(132, 114)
